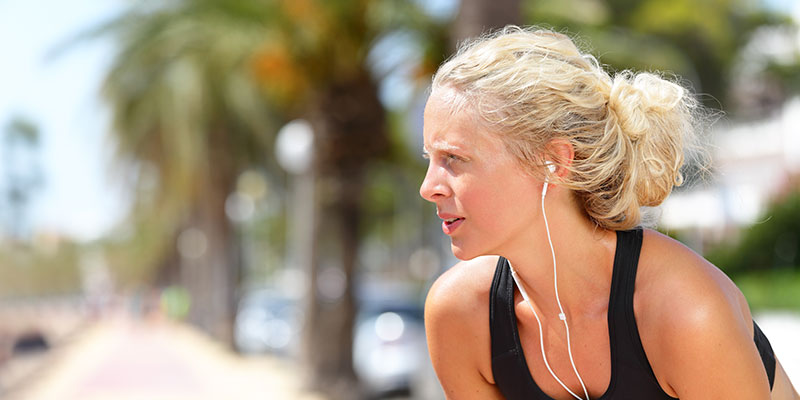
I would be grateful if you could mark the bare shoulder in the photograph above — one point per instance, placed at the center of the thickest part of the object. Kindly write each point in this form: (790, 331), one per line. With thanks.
(467, 282)
(672, 277)
(695, 325)
(457, 306)
(457, 327)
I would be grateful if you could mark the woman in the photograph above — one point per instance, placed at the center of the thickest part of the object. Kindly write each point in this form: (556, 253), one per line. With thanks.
(539, 162)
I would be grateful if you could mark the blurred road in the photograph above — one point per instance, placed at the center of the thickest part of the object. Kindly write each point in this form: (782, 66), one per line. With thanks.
(126, 359)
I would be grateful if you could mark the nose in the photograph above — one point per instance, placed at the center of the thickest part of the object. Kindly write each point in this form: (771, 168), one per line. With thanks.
(434, 187)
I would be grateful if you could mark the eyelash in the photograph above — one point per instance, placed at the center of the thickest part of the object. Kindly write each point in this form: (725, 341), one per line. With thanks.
(448, 157)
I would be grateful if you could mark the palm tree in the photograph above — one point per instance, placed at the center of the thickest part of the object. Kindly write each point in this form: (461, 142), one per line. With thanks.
(318, 70)
(700, 41)
(187, 119)
(316, 66)
(478, 16)
(194, 90)
(22, 174)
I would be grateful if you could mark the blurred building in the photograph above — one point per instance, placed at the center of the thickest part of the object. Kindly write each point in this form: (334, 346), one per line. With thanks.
(753, 163)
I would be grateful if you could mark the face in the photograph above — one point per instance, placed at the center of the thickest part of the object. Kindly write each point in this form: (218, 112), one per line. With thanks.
(486, 201)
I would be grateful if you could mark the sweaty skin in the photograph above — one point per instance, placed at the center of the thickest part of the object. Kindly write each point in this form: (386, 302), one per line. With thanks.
(694, 323)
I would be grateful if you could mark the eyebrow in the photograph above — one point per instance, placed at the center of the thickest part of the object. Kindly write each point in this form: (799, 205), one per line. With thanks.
(442, 146)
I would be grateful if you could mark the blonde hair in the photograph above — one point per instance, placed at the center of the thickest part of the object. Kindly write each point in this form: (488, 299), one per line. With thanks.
(629, 132)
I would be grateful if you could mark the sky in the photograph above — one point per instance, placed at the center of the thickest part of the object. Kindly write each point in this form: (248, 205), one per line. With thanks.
(81, 197)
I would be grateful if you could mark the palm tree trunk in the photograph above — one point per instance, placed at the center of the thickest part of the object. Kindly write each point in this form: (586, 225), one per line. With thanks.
(348, 121)
(478, 16)
(212, 276)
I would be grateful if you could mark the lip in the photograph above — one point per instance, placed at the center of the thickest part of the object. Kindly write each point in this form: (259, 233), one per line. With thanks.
(449, 227)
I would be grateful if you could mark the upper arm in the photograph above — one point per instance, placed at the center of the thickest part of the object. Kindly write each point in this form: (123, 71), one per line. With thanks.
(696, 326)
(704, 334)
(713, 355)
(456, 325)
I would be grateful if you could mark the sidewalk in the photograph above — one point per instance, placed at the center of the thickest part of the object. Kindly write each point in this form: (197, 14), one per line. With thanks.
(124, 359)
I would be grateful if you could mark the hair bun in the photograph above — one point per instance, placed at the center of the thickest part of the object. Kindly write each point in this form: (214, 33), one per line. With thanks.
(653, 114)
(637, 98)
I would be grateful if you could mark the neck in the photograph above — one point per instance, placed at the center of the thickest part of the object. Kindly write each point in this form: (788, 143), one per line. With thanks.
(584, 255)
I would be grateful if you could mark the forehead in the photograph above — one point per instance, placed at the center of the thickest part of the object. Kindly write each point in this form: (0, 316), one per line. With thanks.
(449, 124)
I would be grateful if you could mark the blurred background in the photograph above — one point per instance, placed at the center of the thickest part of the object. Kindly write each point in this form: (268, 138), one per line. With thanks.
(219, 198)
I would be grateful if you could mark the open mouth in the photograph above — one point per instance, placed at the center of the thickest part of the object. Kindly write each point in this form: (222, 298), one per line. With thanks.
(449, 225)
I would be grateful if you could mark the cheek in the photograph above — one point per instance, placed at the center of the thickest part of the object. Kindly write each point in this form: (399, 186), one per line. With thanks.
(505, 200)
(488, 205)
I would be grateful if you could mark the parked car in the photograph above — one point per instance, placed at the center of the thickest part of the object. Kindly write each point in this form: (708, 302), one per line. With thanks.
(32, 341)
(389, 347)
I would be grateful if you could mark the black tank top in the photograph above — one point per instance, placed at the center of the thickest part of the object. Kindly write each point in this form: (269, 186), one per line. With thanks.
(631, 374)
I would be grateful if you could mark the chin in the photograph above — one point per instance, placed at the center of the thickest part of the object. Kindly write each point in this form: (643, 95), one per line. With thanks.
(463, 254)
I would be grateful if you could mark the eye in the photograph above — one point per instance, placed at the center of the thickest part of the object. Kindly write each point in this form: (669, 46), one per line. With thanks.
(452, 158)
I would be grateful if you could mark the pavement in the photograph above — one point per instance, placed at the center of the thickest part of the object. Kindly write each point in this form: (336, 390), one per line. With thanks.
(121, 358)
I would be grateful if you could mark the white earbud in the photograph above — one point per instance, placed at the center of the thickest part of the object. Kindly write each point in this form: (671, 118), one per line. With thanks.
(552, 168)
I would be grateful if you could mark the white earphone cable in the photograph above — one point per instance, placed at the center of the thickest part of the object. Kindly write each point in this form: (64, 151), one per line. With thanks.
(541, 337)
(561, 314)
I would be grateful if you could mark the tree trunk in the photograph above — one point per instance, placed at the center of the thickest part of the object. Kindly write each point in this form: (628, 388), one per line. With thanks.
(478, 16)
(168, 272)
(211, 273)
(348, 121)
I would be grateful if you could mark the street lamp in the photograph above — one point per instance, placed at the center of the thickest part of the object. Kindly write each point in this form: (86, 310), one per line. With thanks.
(294, 151)
(294, 147)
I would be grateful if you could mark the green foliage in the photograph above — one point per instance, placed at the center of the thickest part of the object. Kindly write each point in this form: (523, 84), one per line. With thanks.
(771, 290)
(787, 74)
(198, 89)
(698, 40)
(188, 116)
(773, 243)
(392, 201)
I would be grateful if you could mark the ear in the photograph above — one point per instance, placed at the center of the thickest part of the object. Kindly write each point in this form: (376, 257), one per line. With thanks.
(562, 154)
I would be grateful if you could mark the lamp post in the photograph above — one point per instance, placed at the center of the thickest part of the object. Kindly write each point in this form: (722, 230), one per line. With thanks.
(294, 150)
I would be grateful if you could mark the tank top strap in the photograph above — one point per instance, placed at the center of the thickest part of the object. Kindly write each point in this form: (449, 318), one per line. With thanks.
(501, 313)
(631, 374)
(509, 368)
(766, 353)
(625, 340)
